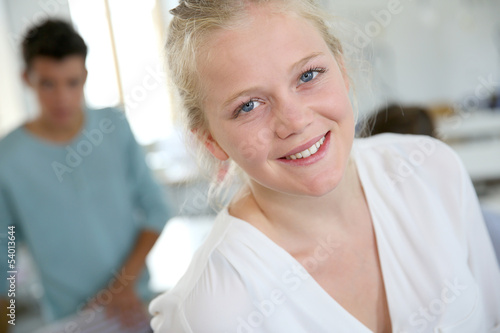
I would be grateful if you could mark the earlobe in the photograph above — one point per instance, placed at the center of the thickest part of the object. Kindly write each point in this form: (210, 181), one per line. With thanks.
(214, 148)
(26, 78)
(211, 144)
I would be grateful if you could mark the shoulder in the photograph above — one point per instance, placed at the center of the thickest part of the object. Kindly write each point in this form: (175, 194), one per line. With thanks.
(404, 145)
(212, 293)
(409, 157)
(108, 120)
(109, 112)
(12, 146)
(420, 178)
(12, 139)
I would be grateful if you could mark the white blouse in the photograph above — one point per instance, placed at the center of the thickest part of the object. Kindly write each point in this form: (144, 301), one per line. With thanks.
(437, 260)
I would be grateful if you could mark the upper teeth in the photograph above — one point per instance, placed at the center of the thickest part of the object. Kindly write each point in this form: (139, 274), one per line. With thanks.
(308, 152)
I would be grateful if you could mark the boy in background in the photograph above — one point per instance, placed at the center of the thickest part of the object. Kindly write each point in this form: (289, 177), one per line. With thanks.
(75, 186)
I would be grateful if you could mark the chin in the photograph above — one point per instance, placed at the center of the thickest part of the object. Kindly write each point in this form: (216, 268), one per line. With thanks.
(318, 187)
(323, 188)
(63, 118)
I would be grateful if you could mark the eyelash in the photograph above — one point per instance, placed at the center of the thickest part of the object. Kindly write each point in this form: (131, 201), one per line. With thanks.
(237, 112)
(320, 70)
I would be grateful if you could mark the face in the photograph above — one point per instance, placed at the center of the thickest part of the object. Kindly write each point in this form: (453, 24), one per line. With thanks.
(58, 85)
(277, 103)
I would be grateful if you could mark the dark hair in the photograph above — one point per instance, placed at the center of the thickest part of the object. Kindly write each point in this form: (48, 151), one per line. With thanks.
(400, 119)
(52, 38)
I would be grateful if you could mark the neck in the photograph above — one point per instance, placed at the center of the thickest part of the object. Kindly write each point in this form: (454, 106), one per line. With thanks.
(45, 129)
(291, 217)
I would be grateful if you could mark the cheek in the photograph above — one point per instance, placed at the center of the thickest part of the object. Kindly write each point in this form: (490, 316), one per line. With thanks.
(247, 146)
(77, 95)
(44, 96)
(335, 103)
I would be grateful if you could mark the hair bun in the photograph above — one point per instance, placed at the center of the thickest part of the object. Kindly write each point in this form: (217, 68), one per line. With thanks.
(186, 8)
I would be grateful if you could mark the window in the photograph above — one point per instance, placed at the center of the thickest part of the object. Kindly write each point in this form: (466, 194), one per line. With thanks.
(125, 62)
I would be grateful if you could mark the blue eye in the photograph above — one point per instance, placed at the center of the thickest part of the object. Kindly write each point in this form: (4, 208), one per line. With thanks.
(248, 106)
(308, 76)
(311, 74)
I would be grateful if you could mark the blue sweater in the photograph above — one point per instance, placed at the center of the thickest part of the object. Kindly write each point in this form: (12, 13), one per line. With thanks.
(78, 207)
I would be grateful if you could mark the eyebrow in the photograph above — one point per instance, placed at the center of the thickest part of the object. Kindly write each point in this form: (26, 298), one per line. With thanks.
(294, 67)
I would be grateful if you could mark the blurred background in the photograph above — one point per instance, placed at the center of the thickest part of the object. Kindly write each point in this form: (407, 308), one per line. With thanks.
(419, 66)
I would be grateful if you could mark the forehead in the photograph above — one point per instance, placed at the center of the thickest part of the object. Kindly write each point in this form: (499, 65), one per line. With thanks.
(49, 66)
(269, 41)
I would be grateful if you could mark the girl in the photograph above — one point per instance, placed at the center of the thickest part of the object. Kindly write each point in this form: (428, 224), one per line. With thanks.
(328, 233)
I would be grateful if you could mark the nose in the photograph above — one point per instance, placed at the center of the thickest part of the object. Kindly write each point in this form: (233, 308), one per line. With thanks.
(291, 116)
(62, 95)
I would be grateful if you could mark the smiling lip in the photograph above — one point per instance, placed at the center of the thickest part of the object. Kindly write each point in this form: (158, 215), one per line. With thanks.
(304, 146)
(312, 159)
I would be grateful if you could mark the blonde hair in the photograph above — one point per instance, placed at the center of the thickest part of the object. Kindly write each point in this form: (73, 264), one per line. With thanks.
(190, 29)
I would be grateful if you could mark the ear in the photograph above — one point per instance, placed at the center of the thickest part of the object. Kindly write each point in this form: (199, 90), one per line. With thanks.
(211, 144)
(26, 78)
(85, 77)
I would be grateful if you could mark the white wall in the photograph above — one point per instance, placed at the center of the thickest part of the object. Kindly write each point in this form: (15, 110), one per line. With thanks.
(427, 51)
(16, 102)
(11, 108)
